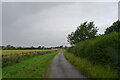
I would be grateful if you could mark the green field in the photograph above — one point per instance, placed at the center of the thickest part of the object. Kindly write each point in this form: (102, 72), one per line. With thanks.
(7, 52)
(26, 63)
(11, 57)
(33, 67)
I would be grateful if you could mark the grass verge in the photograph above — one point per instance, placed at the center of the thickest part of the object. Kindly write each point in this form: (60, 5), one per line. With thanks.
(90, 70)
(33, 67)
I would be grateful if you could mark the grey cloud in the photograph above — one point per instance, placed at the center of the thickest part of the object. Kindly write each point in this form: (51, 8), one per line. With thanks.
(27, 24)
(0, 23)
(119, 10)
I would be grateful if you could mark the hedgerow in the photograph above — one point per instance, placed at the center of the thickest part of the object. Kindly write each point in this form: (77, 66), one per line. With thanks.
(101, 50)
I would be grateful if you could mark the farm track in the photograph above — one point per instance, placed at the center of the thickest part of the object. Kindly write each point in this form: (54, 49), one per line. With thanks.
(61, 68)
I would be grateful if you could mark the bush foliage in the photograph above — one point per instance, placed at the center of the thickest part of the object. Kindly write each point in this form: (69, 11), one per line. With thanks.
(90, 70)
(101, 50)
(114, 27)
(83, 32)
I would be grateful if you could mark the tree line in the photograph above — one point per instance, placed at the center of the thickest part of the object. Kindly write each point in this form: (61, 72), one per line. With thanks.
(10, 47)
(89, 31)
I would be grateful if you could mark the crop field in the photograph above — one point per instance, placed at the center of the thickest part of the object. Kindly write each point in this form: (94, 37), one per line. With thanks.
(10, 57)
(34, 66)
(6, 52)
(12, 60)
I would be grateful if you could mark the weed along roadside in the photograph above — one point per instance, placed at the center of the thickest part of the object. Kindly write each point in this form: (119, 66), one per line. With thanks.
(90, 70)
(35, 66)
(96, 58)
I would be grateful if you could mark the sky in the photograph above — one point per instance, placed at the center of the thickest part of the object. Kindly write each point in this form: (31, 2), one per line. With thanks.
(119, 10)
(59, 0)
(49, 23)
(0, 23)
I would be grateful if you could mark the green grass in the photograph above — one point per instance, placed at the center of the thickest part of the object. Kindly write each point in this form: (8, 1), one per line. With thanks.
(11, 59)
(33, 67)
(89, 69)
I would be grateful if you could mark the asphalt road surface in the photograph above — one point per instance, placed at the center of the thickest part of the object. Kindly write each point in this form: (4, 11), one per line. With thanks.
(61, 68)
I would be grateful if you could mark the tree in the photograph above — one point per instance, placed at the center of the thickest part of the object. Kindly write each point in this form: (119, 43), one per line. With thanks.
(39, 47)
(83, 32)
(43, 47)
(9, 47)
(114, 27)
(20, 48)
(61, 46)
(32, 47)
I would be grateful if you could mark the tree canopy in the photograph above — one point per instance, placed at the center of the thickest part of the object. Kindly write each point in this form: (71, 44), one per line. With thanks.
(114, 27)
(83, 32)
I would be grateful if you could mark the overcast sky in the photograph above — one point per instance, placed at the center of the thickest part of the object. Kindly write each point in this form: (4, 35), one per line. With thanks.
(49, 23)
(119, 10)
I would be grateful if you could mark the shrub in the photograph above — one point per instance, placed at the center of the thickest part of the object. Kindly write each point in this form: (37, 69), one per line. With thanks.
(91, 70)
(101, 50)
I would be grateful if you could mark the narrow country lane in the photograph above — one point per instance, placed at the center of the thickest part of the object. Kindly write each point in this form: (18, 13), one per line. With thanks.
(61, 68)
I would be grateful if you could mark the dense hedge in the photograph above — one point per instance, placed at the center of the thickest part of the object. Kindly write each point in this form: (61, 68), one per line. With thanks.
(101, 50)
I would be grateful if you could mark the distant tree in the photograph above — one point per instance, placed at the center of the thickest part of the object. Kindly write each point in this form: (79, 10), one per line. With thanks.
(61, 46)
(20, 48)
(39, 47)
(43, 47)
(9, 47)
(32, 47)
(13, 48)
(114, 27)
(65, 47)
(83, 32)
(3, 47)
(0, 47)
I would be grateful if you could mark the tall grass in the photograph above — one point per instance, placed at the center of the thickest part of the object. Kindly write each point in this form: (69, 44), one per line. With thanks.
(101, 50)
(90, 70)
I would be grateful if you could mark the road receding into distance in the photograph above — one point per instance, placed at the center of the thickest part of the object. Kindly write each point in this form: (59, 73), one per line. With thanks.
(61, 68)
